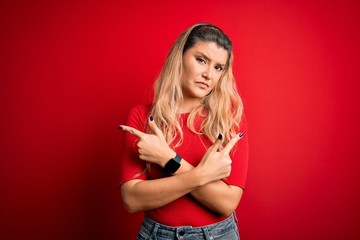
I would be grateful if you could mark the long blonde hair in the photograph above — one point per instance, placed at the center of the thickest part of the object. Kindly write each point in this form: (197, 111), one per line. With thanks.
(221, 109)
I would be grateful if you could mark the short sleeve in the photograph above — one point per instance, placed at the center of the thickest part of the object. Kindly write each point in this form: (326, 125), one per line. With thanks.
(240, 157)
(131, 166)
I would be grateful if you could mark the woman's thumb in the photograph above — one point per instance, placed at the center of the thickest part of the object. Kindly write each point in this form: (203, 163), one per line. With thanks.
(153, 126)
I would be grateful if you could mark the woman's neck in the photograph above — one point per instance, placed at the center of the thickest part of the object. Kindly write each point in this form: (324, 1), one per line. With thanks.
(189, 105)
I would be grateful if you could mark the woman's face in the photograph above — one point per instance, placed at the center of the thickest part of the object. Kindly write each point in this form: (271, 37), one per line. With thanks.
(203, 65)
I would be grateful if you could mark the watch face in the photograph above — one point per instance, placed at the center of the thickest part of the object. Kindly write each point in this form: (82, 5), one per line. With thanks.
(172, 166)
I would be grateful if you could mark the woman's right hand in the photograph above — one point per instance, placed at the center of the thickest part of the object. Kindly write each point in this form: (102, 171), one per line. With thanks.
(216, 163)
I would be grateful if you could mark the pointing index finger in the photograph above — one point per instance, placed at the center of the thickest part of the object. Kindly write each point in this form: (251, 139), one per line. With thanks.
(232, 143)
(132, 131)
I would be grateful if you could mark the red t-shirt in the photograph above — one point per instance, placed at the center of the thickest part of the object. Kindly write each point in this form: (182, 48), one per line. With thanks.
(185, 211)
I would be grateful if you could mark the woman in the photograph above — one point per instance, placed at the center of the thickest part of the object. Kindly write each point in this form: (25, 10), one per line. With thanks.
(183, 162)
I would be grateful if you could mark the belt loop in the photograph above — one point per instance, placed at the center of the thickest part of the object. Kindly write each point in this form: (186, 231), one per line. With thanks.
(154, 231)
(207, 234)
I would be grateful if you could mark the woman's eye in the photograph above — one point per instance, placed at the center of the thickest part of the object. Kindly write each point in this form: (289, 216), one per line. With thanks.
(200, 60)
(219, 68)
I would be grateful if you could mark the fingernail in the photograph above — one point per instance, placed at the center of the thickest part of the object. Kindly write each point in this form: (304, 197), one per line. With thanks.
(151, 118)
(120, 127)
(241, 134)
(220, 136)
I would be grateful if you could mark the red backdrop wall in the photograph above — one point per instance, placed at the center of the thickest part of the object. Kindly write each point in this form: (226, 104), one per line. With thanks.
(70, 71)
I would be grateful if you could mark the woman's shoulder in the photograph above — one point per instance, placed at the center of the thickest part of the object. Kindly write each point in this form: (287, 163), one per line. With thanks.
(141, 109)
(137, 116)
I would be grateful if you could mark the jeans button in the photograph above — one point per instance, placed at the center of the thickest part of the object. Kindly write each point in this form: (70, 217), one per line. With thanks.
(182, 232)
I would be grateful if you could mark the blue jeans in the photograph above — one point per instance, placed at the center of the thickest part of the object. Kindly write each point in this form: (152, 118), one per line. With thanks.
(224, 230)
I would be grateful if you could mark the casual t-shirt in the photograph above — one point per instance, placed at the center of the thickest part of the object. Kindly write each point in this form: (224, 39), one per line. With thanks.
(185, 211)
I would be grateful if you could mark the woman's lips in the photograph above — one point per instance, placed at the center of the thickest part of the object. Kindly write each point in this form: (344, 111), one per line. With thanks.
(202, 84)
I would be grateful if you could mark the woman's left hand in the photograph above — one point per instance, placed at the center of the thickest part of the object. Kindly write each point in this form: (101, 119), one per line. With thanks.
(152, 148)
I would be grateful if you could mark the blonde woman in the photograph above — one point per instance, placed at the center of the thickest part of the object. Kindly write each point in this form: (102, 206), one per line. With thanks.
(183, 163)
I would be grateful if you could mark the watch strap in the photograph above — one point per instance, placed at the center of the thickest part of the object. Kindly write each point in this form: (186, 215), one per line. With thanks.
(177, 158)
(173, 164)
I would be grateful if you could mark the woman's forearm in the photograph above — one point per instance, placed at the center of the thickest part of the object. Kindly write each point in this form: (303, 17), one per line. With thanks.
(141, 195)
(219, 197)
(216, 195)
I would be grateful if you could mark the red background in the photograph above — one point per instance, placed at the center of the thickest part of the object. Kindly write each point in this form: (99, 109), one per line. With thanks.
(70, 71)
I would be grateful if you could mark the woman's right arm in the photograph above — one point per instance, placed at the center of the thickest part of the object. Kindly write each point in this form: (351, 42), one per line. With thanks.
(140, 195)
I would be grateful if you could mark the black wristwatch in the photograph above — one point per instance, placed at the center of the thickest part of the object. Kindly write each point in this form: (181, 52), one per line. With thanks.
(173, 164)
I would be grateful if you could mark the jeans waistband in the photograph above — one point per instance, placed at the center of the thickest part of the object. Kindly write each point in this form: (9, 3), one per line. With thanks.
(154, 228)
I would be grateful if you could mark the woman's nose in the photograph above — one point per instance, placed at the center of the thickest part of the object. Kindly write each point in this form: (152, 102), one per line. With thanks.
(207, 74)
